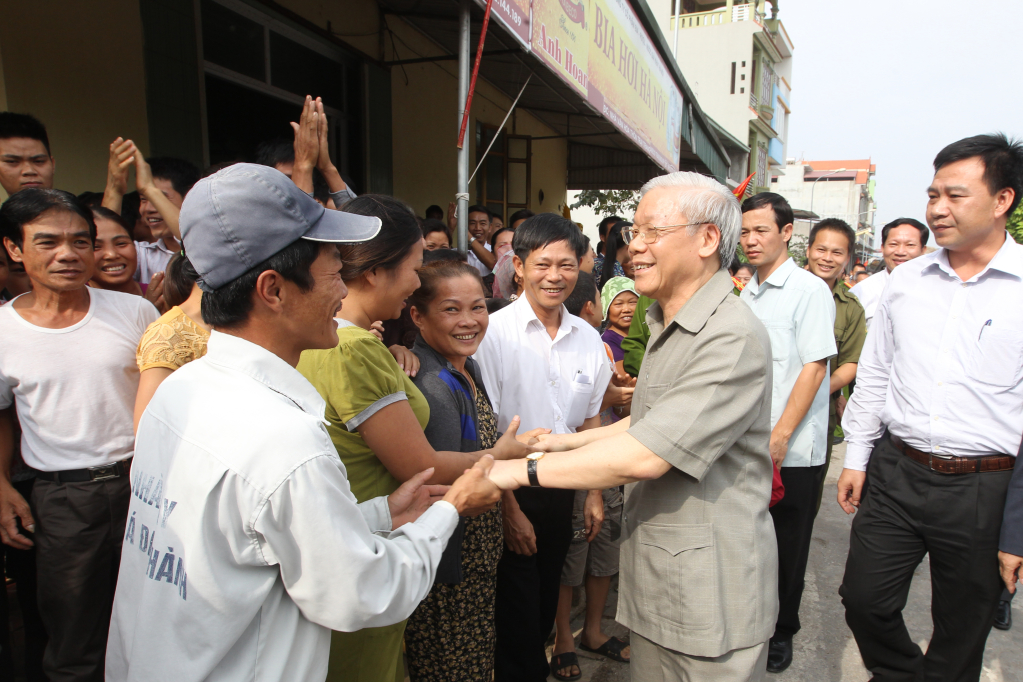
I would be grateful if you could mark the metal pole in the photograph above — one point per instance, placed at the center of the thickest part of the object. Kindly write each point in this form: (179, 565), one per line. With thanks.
(462, 237)
(678, 4)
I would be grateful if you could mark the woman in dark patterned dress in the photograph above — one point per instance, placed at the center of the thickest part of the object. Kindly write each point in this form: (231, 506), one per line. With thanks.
(450, 637)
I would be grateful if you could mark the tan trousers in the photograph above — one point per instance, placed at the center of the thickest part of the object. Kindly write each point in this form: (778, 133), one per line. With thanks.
(653, 663)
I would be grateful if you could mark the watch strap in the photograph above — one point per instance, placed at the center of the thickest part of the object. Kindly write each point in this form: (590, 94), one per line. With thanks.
(534, 482)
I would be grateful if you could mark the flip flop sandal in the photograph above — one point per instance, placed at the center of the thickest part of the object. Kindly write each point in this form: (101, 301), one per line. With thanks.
(612, 649)
(562, 661)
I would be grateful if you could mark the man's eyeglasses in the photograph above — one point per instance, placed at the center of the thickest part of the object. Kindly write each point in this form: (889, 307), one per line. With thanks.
(650, 233)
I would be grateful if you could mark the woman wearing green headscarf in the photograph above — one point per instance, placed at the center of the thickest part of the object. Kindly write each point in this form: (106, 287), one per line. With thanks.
(618, 298)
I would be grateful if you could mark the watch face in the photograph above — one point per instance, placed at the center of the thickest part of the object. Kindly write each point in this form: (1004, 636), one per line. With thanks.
(536, 456)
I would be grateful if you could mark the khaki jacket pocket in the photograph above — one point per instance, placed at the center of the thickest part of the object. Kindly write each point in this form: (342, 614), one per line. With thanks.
(678, 578)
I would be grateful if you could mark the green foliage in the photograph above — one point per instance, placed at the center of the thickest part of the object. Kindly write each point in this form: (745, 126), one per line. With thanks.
(621, 202)
(1015, 224)
(797, 249)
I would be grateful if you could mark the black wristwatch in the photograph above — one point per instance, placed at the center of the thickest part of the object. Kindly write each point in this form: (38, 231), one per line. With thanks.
(531, 461)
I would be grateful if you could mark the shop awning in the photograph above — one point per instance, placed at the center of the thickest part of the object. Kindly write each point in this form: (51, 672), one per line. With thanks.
(647, 106)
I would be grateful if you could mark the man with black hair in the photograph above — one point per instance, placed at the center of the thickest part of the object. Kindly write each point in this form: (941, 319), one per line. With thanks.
(67, 361)
(480, 255)
(435, 212)
(25, 158)
(242, 514)
(519, 217)
(799, 313)
(602, 231)
(902, 240)
(934, 427)
(832, 244)
(549, 367)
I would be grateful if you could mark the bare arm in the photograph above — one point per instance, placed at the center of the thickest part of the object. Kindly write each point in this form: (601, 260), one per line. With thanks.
(604, 463)
(843, 376)
(395, 437)
(144, 181)
(559, 442)
(807, 384)
(334, 181)
(480, 251)
(149, 381)
(12, 505)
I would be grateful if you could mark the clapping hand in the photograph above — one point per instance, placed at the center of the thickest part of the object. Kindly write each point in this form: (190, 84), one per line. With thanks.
(122, 155)
(307, 145)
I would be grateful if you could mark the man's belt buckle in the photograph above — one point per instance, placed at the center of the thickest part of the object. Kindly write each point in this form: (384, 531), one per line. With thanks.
(944, 459)
(104, 472)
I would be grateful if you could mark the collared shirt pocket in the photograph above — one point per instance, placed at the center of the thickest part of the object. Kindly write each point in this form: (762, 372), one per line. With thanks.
(999, 357)
(580, 396)
(678, 573)
(783, 337)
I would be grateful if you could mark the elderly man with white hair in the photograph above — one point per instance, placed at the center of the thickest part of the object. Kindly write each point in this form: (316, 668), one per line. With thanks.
(699, 581)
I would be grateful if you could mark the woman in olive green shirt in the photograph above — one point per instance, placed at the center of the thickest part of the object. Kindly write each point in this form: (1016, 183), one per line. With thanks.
(376, 414)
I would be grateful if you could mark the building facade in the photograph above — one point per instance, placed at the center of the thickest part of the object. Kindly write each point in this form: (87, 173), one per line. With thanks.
(832, 189)
(738, 61)
(208, 80)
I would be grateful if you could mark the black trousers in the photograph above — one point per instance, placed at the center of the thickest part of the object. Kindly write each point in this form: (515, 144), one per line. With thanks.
(20, 566)
(528, 587)
(793, 525)
(908, 511)
(79, 530)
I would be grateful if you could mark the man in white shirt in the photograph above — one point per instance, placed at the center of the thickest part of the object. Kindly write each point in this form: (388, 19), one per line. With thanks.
(799, 312)
(245, 545)
(550, 368)
(902, 240)
(67, 362)
(935, 422)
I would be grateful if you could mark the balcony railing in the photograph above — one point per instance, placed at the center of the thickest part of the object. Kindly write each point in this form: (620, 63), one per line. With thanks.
(752, 101)
(718, 16)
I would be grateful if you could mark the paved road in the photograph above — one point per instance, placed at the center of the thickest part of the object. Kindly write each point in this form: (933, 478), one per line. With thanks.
(824, 649)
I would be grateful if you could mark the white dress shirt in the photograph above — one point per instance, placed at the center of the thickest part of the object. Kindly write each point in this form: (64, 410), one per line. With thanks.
(476, 262)
(943, 367)
(869, 292)
(152, 258)
(798, 310)
(245, 546)
(554, 384)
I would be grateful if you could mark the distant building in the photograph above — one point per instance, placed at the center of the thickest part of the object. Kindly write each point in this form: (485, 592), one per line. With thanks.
(832, 189)
(739, 65)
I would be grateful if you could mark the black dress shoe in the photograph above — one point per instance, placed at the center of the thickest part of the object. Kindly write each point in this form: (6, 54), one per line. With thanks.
(1003, 616)
(779, 655)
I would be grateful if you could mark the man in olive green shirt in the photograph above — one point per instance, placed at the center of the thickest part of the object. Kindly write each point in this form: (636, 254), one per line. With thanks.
(832, 243)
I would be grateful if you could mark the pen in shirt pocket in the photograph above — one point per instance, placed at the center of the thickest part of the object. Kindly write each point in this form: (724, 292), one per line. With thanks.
(985, 326)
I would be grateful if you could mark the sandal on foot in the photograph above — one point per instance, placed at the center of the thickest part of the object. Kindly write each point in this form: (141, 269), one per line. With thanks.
(612, 649)
(562, 661)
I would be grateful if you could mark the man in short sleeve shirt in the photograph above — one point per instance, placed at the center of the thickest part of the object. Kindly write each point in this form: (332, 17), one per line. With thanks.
(799, 313)
(902, 240)
(550, 368)
(67, 361)
(831, 245)
(699, 557)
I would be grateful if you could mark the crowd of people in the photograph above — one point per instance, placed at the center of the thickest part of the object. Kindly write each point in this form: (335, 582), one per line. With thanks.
(253, 425)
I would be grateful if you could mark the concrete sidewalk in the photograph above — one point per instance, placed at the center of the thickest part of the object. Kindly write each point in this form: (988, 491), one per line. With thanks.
(825, 650)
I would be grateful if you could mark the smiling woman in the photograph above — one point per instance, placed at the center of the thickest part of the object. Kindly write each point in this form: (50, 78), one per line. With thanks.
(375, 413)
(115, 255)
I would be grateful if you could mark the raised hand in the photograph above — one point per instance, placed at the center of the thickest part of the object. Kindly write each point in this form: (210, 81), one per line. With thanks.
(122, 155)
(154, 292)
(508, 446)
(307, 146)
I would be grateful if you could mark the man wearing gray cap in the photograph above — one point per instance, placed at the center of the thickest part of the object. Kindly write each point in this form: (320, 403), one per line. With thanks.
(244, 545)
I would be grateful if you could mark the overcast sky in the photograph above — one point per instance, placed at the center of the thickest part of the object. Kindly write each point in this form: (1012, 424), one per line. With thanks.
(897, 81)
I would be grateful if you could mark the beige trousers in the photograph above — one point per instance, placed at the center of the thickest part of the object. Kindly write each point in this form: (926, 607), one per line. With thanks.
(653, 663)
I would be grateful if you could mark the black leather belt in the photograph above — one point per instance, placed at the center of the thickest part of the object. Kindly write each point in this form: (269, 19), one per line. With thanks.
(101, 473)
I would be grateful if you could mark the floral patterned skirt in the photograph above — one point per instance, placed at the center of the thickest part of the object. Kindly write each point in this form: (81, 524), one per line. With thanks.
(450, 637)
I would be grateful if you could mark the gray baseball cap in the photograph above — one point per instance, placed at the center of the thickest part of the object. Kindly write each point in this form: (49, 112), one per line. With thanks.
(238, 217)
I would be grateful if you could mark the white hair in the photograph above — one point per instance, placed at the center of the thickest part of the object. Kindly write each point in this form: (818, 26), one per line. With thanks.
(704, 200)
